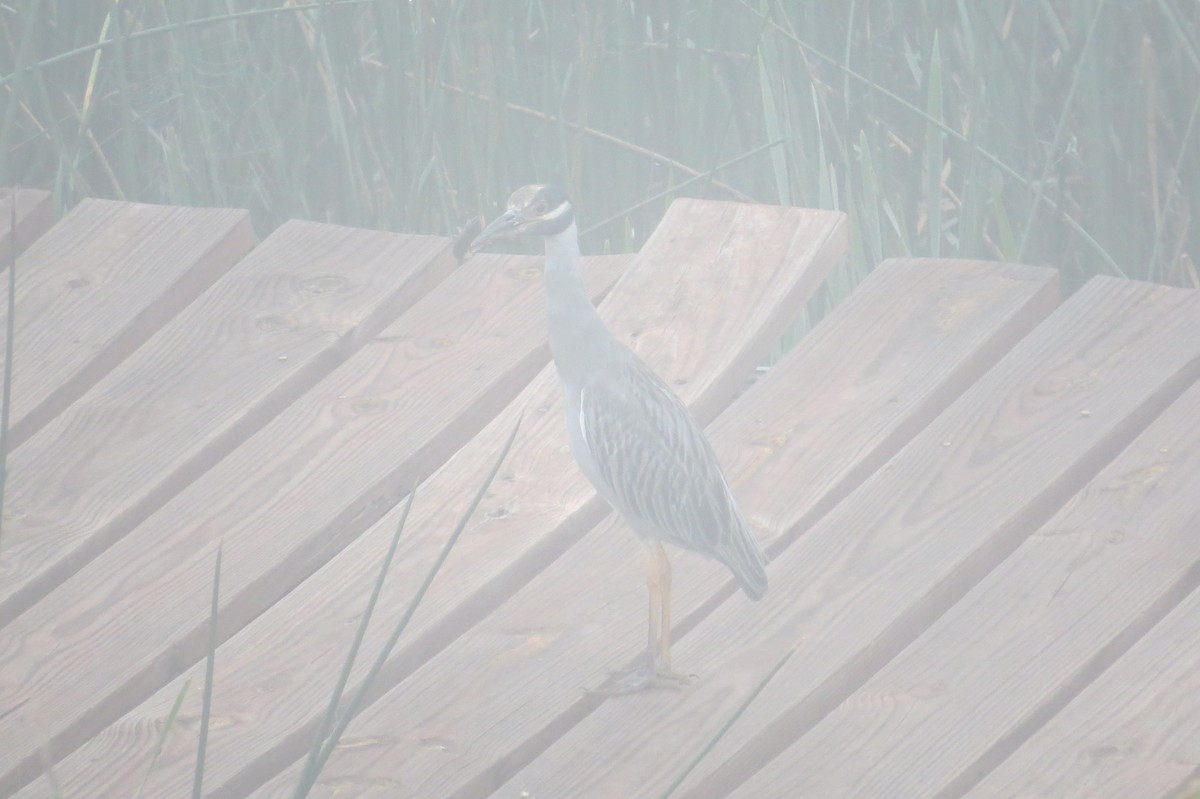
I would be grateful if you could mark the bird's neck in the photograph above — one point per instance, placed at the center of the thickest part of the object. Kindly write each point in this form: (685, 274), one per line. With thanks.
(578, 338)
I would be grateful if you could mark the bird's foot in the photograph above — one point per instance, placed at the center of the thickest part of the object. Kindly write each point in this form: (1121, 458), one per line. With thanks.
(641, 678)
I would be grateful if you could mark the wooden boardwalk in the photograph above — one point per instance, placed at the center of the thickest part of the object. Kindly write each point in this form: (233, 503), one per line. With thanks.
(979, 501)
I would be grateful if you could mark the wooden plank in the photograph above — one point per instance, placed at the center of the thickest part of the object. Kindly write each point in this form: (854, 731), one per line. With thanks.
(709, 293)
(99, 284)
(1133, 732)
(35, 214)
(885, 563)
(1022, 643)
(297, 491)
(230, 361)
(510, 685)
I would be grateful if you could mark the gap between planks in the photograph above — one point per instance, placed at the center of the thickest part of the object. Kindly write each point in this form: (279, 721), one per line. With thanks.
(231, 360)
(1131, 732)
(100, 283)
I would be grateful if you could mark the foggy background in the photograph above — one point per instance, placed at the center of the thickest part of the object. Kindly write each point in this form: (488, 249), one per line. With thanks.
(1058, 132)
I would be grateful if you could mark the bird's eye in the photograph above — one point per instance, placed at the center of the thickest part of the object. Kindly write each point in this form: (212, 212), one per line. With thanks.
(540, 208)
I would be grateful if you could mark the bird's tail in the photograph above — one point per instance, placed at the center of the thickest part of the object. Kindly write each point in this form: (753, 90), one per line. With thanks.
(747, 561)
(753, 581)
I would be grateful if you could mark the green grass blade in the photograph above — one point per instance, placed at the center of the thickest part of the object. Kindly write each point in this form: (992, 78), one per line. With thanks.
(178, 181)
(308, 775)
(209, 668)
(933, 153)
(1060, 130)
(1173, 186)
(126, 136)
(162, 736)
(900, 228)
(826, 187)
(1004, 229)
(12, 109)
(772, 124)
(87, 106)
(356, 701)
(729, 722)
(867, 209)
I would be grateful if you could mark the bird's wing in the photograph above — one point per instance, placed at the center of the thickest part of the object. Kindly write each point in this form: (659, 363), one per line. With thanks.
(655, 463)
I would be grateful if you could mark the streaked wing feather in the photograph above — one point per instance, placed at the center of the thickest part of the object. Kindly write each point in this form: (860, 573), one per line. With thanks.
(655, 462)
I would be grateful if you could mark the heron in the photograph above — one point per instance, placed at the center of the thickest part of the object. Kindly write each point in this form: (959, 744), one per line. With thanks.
(633, 439)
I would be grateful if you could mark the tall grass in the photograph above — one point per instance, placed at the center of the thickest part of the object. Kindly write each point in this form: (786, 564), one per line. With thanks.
(1058, 132)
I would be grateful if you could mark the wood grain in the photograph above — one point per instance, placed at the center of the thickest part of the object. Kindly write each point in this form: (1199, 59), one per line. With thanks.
(98, 285)
(35, 214)
(699, 304)
(888, 560)
(295, 493)
(838, 405)
(263, 333)
(1132, 732)
(1049, 619)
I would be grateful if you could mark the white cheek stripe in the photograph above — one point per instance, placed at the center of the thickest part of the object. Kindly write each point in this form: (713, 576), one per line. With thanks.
(557, 212)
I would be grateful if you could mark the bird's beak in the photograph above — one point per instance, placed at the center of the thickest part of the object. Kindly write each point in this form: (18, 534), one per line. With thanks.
(501, 227)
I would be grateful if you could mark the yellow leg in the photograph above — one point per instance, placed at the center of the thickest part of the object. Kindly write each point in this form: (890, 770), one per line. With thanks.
(660, 659)
(664, 615)
(654, 592)
(657, 671)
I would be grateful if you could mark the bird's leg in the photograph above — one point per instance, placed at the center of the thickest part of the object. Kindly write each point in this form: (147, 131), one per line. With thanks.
(654, 593)
(662, 666)
(656, 673)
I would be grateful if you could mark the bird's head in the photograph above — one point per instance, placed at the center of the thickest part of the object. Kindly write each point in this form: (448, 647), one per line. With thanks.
(537, 210)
